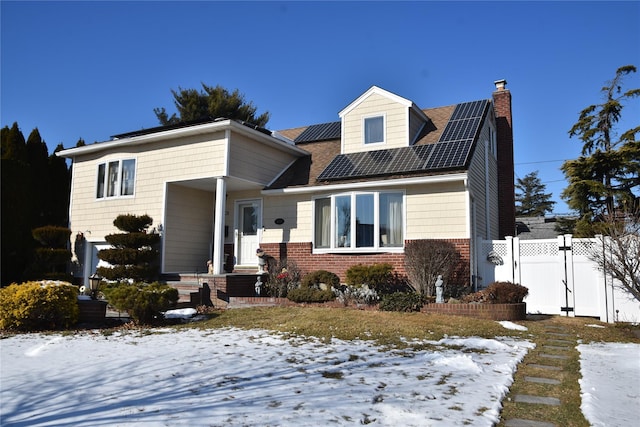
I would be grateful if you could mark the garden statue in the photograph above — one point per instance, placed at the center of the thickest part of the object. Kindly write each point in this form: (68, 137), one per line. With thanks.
(261, 260)
(258, 285)
(439, 298)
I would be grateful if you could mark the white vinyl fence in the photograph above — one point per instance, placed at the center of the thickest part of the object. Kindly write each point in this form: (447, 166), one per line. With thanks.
(559, 275)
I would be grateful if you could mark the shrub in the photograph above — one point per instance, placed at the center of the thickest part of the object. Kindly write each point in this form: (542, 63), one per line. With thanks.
(315, 278)
(133, 255)
(348, 294)
(309, 294)
(499, 293)
(283, 277)
(376, 276)
(34, 306)
(144, 302)
(52, 236)
(402, 301)
(424, 260)
(132, 223)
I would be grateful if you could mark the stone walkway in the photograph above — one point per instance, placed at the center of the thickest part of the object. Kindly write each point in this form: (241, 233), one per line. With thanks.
(552, 348)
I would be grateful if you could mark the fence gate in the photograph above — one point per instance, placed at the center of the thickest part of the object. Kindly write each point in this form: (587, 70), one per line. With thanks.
(558, 273)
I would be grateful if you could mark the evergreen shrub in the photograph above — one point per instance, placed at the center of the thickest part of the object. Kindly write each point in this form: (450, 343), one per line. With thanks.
(145, 303)
(315, 278)
(402, 301)
(310, 294)
(376, 276)
(32, 306)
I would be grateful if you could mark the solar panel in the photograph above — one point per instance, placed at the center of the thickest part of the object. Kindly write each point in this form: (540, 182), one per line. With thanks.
(451, 151)
(320, 132)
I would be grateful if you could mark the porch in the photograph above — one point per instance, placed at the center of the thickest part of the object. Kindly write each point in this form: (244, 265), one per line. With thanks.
(225, 289)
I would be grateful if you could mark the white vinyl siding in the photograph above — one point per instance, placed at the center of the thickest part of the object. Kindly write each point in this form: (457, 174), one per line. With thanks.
(395, 124)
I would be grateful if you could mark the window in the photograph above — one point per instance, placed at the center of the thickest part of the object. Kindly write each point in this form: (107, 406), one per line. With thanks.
(359, 221)
(116, 178)
(373, 129)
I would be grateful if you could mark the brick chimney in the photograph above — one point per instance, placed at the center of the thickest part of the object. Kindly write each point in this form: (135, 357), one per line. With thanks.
(504, 139)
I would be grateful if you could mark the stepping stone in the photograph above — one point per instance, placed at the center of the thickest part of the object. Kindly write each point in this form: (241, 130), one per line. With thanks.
(541, 380)
(554, 356)
(562, 342)
(557, 347)
(547, 367)
(558, 334)
(553, 327)
(519, 422)
(541, 400)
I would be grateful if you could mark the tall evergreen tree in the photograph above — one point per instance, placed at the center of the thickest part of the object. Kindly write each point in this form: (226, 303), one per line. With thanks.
(606, 177)
(35, 193)
(531, 200)
(208, 104)
(17, 244)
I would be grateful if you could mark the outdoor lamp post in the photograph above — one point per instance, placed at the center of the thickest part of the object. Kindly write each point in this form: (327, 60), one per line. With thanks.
(94, 282)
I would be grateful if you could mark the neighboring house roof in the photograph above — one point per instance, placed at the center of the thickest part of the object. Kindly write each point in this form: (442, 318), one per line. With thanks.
(445, 144)
(536, 227)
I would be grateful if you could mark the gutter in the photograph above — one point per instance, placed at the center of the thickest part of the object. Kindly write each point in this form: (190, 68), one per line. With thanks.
(368, 184)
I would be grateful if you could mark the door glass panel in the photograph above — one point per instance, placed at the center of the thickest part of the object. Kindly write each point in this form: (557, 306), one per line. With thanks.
(249, 221)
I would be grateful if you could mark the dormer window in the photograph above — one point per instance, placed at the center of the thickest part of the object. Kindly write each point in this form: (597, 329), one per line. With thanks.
(374, 129)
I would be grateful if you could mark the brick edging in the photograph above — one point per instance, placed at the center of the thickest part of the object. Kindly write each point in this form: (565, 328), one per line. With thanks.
(481, 311)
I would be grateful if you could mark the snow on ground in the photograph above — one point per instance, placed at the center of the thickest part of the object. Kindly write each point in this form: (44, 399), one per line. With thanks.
(233, 377)
(610, 384)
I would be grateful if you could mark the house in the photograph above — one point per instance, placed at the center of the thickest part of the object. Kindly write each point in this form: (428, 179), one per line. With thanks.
(327, 196)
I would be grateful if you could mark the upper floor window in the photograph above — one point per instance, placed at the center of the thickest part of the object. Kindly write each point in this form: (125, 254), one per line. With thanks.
(359, 221)
(373, 129)
(116, 178)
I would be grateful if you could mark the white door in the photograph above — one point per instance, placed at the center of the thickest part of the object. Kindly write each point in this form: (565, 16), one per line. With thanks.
(249, 222)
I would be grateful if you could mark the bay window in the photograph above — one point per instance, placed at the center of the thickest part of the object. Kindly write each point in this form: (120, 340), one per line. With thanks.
(116, 178)
(359, 221)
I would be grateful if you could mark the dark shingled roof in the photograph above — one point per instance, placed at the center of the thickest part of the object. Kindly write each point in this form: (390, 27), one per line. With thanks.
(445, 145)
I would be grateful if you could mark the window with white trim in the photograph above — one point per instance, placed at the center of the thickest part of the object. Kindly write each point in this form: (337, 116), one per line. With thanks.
(116, 178)
(373, 129)
(359, 221)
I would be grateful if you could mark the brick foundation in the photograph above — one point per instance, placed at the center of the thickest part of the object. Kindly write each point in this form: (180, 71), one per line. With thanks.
(301, 254)
(480, 311)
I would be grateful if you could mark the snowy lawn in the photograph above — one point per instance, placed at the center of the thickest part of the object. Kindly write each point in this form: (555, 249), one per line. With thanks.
(233, 377)
(610, 384)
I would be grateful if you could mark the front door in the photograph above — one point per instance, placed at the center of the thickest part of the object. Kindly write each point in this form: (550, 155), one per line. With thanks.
(249, 222)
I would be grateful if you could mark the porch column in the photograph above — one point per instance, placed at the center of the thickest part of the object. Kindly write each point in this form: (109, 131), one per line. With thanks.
(218, 225)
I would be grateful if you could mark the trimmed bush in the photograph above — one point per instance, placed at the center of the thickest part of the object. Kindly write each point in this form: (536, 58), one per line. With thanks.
(52, 236)
(134, 255)
(144, 302)
(402, 301)
(33, 306)
(499, 293)
(309, 294)
(376, 276)
(315, 278)
(132, 223)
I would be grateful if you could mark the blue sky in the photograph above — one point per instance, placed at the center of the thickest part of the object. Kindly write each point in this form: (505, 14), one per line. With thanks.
(95, 69)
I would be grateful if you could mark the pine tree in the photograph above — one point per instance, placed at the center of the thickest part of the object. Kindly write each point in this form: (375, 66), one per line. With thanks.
(531, 200)
(208, 104)
(605, 179)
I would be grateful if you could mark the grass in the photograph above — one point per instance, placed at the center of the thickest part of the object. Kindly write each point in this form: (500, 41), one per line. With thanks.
(399, 329)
